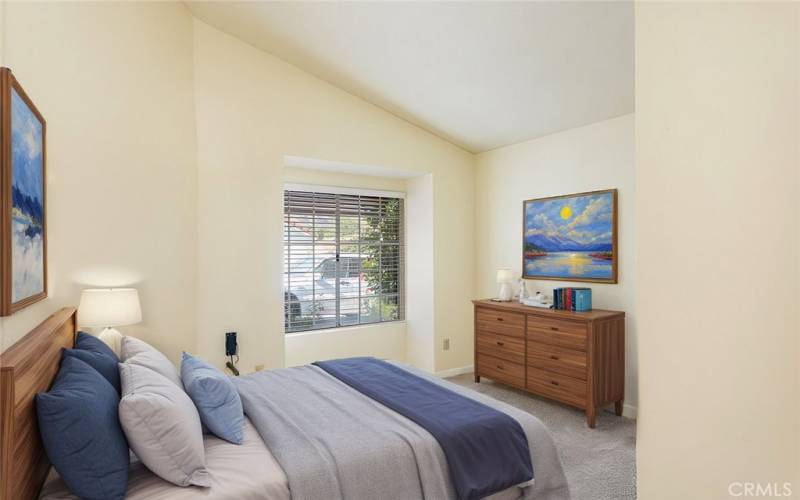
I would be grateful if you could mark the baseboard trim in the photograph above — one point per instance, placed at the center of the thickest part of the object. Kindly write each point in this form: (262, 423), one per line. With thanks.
(455, 371)
(629, 411)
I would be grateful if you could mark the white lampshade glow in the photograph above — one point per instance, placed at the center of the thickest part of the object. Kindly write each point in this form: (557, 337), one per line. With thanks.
(504, 276)
(107, 307)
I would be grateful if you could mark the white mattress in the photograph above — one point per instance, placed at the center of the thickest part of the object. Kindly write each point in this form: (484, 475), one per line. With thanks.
(238, 472)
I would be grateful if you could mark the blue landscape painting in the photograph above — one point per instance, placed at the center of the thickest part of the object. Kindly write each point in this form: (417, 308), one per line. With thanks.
(570, 237)
(27, 210)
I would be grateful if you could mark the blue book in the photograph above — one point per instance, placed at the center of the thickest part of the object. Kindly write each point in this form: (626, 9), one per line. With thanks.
(583, 299)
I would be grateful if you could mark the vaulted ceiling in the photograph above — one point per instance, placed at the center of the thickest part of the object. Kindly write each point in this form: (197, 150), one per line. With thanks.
(479, 74)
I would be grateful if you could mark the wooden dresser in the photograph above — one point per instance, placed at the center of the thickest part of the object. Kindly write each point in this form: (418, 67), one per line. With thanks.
(577, 358)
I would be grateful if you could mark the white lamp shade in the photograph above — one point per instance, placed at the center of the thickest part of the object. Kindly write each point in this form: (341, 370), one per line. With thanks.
(504, 276)
(107, 307)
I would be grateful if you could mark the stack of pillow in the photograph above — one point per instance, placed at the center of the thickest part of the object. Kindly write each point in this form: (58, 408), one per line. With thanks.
(79, 423)
(100, 407)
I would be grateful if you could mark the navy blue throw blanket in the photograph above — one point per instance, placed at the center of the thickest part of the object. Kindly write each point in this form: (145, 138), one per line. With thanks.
(486, 450)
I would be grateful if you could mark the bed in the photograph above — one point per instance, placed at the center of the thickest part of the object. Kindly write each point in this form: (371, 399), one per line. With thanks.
(251, 470)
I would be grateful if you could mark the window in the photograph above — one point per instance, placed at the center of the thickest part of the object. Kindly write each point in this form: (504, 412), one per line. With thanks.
(343, 259)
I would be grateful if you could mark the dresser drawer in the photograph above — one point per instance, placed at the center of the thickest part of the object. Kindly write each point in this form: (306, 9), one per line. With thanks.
(557, 324)
(569, 334)
(557, 359)
(501, 346)
(500, 322)
(564, 388)
(501, 370)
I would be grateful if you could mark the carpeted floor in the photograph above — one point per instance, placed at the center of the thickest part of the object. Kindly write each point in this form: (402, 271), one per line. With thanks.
(600, 463)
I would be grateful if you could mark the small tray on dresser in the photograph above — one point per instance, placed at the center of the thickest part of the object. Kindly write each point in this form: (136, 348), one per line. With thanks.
(577, 358)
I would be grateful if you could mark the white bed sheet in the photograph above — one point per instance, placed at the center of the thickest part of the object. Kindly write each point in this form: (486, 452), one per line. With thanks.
(238, 472)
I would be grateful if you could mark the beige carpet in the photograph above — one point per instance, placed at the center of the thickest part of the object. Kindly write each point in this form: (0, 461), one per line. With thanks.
(600, 463)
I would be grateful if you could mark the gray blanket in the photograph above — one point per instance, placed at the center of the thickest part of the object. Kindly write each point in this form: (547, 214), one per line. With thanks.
(334, 443)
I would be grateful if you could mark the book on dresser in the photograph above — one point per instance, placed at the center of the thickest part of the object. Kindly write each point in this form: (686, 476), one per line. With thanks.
(577, 358)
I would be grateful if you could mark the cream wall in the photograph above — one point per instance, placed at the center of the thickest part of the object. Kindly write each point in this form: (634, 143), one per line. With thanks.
(384, 341)
(114, 82)
(597, 156)
(718, 155)
(252, 109)
(387, 340)
(421, 342)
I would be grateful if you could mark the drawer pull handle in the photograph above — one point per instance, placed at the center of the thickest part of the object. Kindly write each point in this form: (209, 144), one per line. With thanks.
(554, 357)
(554, 382)
(501, 344)
(554, 328)
(499, 319)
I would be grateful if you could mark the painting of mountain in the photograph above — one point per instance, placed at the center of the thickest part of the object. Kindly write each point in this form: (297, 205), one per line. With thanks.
(571, 237)
(26, 220)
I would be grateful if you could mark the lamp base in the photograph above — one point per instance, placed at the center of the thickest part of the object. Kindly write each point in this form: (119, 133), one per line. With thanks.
(112, 338)
(506, 292)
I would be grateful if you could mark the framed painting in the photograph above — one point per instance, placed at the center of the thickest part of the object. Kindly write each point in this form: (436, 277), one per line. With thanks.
(571, 237)
(23, 247)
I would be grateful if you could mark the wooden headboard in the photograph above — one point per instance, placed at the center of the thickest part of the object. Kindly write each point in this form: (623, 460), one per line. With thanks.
(28, 367)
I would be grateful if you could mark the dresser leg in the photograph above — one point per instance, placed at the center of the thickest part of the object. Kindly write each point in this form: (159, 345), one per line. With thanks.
(590, 417)
(618, 408)
(477, 378)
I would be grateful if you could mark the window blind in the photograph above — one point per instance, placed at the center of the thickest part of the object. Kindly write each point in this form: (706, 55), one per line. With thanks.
(343, 260)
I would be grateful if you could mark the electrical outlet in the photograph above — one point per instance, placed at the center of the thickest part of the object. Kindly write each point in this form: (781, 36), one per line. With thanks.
(259, 368)
(446, 345)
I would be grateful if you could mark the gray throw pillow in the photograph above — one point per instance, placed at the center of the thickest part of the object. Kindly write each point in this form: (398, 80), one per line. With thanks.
(139, 352)
(162, 426)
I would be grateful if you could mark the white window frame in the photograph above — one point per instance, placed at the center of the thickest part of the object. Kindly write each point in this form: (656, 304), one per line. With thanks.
(319, 188)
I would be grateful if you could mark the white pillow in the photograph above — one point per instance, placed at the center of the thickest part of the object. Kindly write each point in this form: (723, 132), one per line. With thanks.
(139, 352)
(162, 426)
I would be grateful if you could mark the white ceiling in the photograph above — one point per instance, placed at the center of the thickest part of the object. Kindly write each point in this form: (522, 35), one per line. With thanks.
(479, 74)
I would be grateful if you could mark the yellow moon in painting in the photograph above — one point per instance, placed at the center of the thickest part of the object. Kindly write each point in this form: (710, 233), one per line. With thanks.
(566, 212)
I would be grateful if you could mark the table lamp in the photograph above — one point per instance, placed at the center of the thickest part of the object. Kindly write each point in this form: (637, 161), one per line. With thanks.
(504, 279)
(107, 308)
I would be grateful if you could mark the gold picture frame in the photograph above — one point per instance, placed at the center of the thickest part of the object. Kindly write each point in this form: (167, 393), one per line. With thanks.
(23, 216)
(571, 237)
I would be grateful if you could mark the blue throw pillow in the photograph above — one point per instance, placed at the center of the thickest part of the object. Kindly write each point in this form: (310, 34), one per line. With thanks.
(90, 343)
(80, 429)
(215, 397)
(98, 355)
